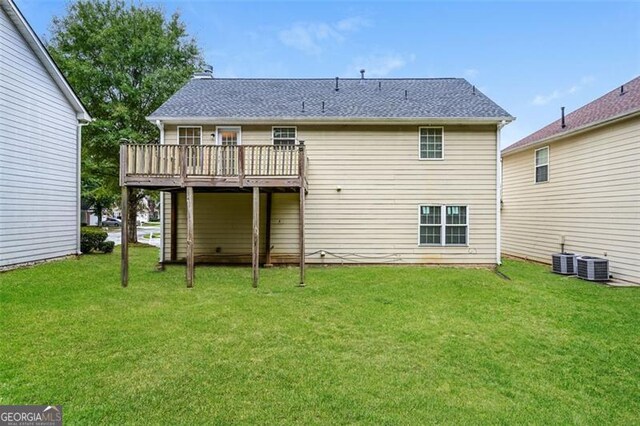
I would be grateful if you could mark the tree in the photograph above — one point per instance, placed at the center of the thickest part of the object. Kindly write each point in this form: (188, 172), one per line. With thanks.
(123, 61)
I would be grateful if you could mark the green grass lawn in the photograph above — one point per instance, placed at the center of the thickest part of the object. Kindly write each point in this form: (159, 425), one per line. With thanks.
(375, 345)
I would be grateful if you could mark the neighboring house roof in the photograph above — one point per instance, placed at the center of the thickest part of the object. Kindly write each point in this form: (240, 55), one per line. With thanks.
(356, 99)
(618, 103)
(47, 61)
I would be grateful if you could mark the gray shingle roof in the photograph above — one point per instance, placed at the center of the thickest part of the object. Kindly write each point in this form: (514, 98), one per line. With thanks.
(356, 98)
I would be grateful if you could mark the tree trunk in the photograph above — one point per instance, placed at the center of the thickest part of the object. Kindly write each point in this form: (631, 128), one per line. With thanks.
(134, 200)
(98, 211)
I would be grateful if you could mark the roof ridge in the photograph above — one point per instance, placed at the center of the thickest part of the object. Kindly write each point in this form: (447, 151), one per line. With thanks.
(607, 106)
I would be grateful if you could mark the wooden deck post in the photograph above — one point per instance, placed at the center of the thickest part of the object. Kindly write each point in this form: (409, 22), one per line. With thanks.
(255, 251)
(124, 243)
(190, 241)
(267, 230)
(174, 226)
(301, 173)
(301, 235)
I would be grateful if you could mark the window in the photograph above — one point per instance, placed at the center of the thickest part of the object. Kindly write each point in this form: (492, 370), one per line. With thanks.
(443, 225)
(189, 135)
(430, 225)
(284, 136)
(431, 143)
(456, 225)
(542, 165)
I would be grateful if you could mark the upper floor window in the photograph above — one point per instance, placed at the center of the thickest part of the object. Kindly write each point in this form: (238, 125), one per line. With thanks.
(189, 135)
(284, 136)
(431, 143)
(542, 165)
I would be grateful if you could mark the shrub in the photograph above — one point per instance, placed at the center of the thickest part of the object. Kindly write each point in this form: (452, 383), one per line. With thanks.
(106, 246)
(93, 238)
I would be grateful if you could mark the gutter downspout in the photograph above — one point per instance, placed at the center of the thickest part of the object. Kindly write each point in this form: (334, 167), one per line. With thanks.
(499, 194)
(160, 126)
(79, 182)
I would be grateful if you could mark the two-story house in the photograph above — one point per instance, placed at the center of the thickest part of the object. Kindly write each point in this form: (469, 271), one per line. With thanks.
(324, 171)
(40, 124)
(574, 185)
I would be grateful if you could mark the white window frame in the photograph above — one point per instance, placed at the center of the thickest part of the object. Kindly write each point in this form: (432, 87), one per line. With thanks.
(443, 224)
(420, 143)
(238, 128)
(536, 165)
(188, 127)
(295, 138)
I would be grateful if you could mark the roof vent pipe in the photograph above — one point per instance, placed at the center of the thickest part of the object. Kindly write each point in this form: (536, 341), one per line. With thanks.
(622, 89)
(362, 74)
(562, 112)
(337, 87)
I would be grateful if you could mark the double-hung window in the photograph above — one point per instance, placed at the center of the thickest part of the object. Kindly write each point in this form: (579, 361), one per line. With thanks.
(431, 143)
(444, 225)
(189, 135)
(542, 165)
(284, 136)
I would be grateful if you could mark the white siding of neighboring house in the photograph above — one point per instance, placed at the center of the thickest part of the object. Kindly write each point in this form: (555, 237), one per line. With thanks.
(592, 199)
(374, 218)
(38, 157)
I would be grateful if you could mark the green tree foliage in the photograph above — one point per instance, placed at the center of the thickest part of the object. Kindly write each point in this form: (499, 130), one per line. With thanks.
(123, 60)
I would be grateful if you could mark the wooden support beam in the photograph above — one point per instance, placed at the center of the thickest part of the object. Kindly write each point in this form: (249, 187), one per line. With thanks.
(190, 241)
(174, 227)
(301, 236)
(301, 173)
(267, 230)
(124, 228)
(255, 251)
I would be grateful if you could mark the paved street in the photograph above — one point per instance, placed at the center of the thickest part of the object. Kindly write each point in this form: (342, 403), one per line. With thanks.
(144, 232)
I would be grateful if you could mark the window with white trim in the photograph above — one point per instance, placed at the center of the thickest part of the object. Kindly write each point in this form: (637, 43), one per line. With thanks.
(542, 165)
(444, 225)
(189, 135)
(284, 136)
(431, 143)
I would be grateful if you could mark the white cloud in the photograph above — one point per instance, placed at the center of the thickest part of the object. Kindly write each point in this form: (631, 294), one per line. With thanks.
(471, 73)
(380, 65)
(557, 94)
(352, 24)
(310, 37)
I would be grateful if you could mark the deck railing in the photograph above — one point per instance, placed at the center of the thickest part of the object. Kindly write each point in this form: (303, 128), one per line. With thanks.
(153, 161)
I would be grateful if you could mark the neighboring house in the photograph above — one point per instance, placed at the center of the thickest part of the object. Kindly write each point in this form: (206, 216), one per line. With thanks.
(576, 186)
(378, 171)
(40, 119)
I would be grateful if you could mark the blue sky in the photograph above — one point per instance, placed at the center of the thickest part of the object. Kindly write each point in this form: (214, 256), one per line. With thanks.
(529, 57)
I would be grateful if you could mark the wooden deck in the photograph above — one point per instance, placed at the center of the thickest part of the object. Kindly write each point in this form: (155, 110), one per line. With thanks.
(215, 168)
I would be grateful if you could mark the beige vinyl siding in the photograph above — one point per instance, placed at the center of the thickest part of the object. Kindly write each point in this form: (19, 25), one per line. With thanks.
(38, 157)
(592, 199)
(374, 218)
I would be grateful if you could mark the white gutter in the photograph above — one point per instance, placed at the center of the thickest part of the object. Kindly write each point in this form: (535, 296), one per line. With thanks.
(160, 126)
(499, 195)
(574, 132)
(331, 120)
